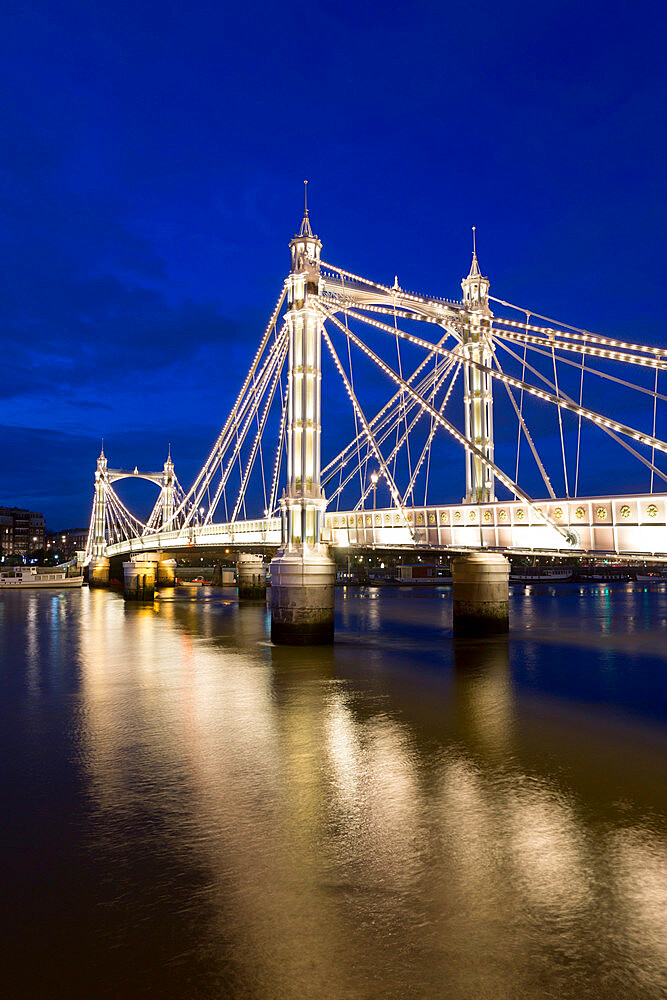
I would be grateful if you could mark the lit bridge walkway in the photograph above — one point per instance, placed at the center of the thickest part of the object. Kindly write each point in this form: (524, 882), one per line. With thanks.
(624, 526)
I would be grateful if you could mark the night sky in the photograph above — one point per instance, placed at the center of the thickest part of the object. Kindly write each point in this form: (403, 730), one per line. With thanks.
(151, 176)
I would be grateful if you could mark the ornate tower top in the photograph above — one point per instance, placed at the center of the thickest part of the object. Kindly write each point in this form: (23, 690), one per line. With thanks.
(102, 460)
(476, 286)
(305, 246)
(305, 224)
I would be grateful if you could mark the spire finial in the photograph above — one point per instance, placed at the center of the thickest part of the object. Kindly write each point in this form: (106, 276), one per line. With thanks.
(305, 225)
(474, 267)
(169, 453)
(102, 451)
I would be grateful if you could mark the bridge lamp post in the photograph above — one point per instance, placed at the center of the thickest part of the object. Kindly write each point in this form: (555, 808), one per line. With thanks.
(374, 481)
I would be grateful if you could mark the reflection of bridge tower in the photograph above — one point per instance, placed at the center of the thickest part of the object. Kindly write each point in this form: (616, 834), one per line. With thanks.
(168, 491)
(478, 393)
(98, 571)
(302, 574)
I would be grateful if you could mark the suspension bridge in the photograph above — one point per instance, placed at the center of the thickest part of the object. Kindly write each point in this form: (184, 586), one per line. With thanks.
(271, 484)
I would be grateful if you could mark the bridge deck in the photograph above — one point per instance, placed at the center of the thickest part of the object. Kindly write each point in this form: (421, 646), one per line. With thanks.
(629, 525)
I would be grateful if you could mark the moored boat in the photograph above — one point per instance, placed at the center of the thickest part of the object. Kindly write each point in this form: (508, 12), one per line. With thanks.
(22, 577)
(540, 574)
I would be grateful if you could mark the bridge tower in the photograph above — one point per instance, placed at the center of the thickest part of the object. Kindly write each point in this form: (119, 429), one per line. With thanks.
(303, 572)
(168, 490)
(98, 568)
(477, 335)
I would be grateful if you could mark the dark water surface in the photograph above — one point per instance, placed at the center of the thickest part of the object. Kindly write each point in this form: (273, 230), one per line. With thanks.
(190, 812)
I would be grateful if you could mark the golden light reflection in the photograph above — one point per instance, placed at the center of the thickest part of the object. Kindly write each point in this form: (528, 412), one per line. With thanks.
(548, 854)
(639, 865)
(485, 699)
(340, 822)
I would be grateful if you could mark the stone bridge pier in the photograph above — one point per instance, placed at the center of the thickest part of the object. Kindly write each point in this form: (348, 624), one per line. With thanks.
(481, 594)
(144, 572)
(166, 572)
(139, 576)
(251, 573)
(98, 572)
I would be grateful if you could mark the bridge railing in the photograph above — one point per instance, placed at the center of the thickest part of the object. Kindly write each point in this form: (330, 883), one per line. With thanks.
(624, 525)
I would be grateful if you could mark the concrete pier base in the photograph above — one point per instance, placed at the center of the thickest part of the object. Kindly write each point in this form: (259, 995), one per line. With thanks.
(481, 594)
(223, 576)
(98, 572)
(139, 580)
(251, 577)
(166, 573)
(302, 596)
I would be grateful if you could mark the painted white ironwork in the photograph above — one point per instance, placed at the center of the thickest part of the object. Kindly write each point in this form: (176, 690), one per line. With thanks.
(281, 396)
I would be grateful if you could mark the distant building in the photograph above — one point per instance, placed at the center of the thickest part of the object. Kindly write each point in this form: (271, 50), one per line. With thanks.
(67, 542)
(21, 531)
(6, 534)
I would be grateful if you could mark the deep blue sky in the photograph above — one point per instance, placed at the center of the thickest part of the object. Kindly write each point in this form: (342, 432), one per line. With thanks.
(150, 178)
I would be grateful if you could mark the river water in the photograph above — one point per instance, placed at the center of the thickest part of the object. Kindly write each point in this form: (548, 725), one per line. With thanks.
(190, 812)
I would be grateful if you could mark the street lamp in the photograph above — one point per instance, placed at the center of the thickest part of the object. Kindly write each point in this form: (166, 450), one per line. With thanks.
(374, 483)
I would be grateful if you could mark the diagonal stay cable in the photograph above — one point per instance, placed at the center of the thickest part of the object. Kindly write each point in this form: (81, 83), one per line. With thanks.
(382, 430)
(461, 438)
(563, 401)
(395, 495)
(523, 426)
(580, 410)
(261, 424)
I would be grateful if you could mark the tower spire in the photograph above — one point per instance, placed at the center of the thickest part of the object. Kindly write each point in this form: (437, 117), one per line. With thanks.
(474, 267)
(305, 225)
(477, 343)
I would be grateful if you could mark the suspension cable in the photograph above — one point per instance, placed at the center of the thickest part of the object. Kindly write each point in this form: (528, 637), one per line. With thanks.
(389, 420)
(380, 415)
(524, 426)
(381, 436)
(518, 439)
(258, 437)
(560, 422)
(433, 430)
(356, 425)
(583, 334)
(401, 441)
(581, 400)
(607, 429)
(400, 372)
(458, 436)
(593, 371)
(279, 449)
(562, 401)
(264, 381)
(655, 408)
(395, 495)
